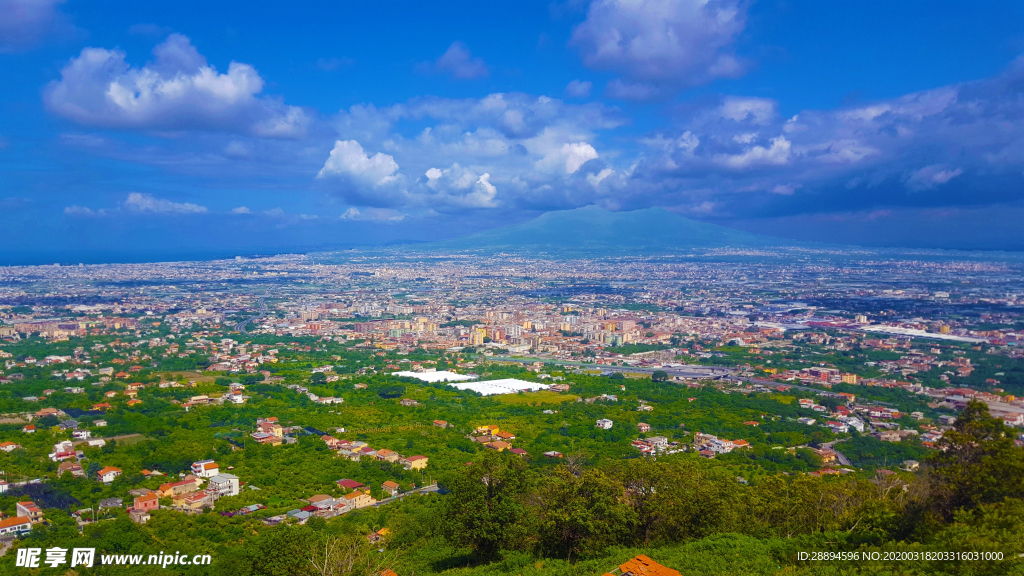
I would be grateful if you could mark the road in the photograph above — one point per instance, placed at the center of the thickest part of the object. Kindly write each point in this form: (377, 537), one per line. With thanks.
(263, 312)
(421, 490)
(839, 455)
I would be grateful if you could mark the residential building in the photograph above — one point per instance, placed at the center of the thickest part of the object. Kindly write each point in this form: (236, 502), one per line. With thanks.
(29, 510)
(70, 466)
(110, 503)
(107, 474)
(205, 468)
(604, 423)
(358, 499)
(386, 455)
(418, 462)
(390, 487)
(224, 485)
(349, 484)
(147, 502)
(15, 525)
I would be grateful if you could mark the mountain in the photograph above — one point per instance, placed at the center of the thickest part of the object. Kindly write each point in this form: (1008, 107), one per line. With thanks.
(593, 230)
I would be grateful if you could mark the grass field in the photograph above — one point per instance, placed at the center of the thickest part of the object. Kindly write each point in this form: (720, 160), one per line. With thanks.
(536, 398)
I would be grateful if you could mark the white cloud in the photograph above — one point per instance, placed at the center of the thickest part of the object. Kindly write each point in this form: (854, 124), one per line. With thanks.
(483, 193)
(84, 212)
(470, 153)
(458, 62)
(756, 110)
(462, 187)
(148, 204)
(595, 179)
(373, 215)
(25, 23)
(661, 43)
(241, 210)
(178, 90)
(931, 176)
(785, 189)
(576, 155)
(777, 153)
(348, 159)
(578, 89)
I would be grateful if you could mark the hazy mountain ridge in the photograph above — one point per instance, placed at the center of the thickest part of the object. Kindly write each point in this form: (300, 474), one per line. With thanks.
(595, 230)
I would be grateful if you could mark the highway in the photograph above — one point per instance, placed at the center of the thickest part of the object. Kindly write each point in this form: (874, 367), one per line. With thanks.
(263, 312)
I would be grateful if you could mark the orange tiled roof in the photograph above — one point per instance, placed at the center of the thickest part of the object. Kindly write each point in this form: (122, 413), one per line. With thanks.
(644, 566)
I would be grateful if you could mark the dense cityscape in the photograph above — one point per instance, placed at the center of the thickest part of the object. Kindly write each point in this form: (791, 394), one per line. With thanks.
(295, 389)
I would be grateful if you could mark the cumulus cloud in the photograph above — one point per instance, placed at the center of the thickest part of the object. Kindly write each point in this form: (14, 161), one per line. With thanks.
(570, 155)
(149, 204)
(777, 152)
(659, 45)
(962, 143)
(241, 210)
(26, 23)
(460, 186)
(578, 89)
(499, 150)
(458, 62)
(348, 159)
(177, 90)
(725, 157)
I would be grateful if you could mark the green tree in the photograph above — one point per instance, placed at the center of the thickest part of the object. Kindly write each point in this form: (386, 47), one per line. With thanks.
(485, 509)
(584, 513)
(979, 463)
(659, 376)
(318, 378)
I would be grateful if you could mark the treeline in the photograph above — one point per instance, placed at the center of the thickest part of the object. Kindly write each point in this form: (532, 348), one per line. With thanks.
(500, 515)
(498, 503)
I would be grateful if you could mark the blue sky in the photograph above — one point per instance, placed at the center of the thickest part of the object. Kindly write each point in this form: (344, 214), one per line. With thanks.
(148, 127)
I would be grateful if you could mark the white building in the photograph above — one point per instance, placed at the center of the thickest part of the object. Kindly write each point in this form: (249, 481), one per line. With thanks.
(205, 468)
(604, 423)
(224, 485)
(15, 525)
